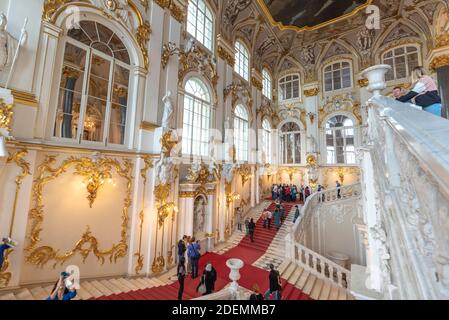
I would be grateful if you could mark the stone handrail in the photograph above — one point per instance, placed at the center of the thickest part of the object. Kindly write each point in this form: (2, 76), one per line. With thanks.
(315, 200)
(309, 259)
(321, 266)
(405, 165)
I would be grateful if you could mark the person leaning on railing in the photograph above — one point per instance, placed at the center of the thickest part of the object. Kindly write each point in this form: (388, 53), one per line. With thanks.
(424, 92)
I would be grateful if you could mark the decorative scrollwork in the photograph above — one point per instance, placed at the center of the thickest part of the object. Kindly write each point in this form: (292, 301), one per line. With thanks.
(6, 113)
(46, 173)
(5, 277)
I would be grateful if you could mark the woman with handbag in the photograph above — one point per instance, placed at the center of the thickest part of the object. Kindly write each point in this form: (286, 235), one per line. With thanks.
(207, 283)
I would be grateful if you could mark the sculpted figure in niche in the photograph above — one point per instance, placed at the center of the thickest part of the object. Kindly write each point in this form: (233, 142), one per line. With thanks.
(168, 110)
(199, 217)
(8, 44)
(308, 55)
(365, 39)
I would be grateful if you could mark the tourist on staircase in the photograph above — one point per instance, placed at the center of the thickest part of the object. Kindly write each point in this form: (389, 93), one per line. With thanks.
(277, 218)
(306, 193)
(251, 229)
(274, 192)
(297, 213)
(181, 276)
(186, 256)
(193, 252)
(265, 218)
(338, 184)
(424, 92)
(274, 291)
(182, 248)
(269, 218)
(246, 226)
(294, 193)
(301, 194)
(239, 218)
(256, 295)
(207, 283)
(63, 289)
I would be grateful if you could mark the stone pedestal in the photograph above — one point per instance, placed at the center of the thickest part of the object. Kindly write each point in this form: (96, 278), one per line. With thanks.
(235, 265)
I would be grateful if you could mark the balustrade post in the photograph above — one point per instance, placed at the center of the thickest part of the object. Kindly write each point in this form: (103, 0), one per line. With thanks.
(340, 278)
(323, 268)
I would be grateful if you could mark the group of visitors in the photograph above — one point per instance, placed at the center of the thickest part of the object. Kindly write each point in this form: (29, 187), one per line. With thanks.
(424, 92)
(290, 193)
(189, 249)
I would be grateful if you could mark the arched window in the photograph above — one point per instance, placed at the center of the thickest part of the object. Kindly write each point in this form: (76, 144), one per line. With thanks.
(241, 136)
(289, 87)
(267, 84)
(200, 23)
(93, 91)
(290, 143)
(340, 140)
(241, 60)
(402, 61)
(196, 120)
(266, 142)
(337, 76)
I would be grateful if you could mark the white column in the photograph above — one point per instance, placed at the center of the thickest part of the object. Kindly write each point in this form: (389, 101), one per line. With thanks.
(138, 101)
(222, 211)
(253, 186)
(45, 71)
(210, 221)
(173, 65)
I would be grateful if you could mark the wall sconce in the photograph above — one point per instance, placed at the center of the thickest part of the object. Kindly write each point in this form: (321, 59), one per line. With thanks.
(94, 182)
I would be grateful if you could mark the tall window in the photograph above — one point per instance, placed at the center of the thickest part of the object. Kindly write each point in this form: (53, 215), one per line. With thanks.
(197, 114)
(241, 60)
(267, 84)
(266, 136)
(291, 143)
(200, 22)
(337, 76)
(241, 137)
(340, 140)
(93, 91)
(402, 61)
(289, 87)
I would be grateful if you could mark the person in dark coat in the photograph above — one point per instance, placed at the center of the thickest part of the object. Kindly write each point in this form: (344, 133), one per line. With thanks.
(208, 279)
(275, 284)
(181, 276)
(182, 248)
(251, 229)
(297, 213)
(256, 295)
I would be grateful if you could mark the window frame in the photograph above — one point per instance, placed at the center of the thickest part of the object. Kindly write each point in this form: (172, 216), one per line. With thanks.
(409, 72)
(345, 138)
(267, 140)
(90, 51)
(281, 91)
(332, 64)
(240, 126)
(267, 84)
(194, 116)
(242, 56)
(282, 151)
(204, 22)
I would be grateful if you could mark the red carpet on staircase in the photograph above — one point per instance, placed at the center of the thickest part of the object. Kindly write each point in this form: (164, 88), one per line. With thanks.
(249, 252)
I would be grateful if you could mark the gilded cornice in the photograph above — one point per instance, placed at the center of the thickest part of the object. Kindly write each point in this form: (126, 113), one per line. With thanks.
(226, 56)
(439, 61)
(311, 92)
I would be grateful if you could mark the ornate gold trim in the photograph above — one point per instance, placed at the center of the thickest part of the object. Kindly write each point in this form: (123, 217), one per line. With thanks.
(148, 126)
(148, 164)
(176, 11)
(363, 82)
(226, 56)
(17, 158)
(5, 277)
(26, 98)
(257, 84)
(311, 92)
(440, 61)
(40, 256)
(282, 27)
(6, 114)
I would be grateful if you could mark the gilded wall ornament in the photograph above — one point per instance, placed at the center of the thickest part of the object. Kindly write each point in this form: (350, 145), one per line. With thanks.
(47, 173)
(143, 36)
(6, 114)
(311, 92)
(440, 61)
(256, 84)
(5, 277)
(226, 56)
(198, 174)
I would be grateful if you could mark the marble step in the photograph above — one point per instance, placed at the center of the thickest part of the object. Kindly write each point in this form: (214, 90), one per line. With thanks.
(289, 271)
(316, 291)
(113, 288)
(9, 296)
(39, 293)
(334, 293)
(295, 276)
(94, 292)
(127, 284)
(325, 292)
(102, 288)
(284, 265)
(303, 279)
(120, 285)
(309, 284)
(24, 294)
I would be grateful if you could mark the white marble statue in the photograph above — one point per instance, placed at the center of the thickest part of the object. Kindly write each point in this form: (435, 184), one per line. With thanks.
(168, 110)
(199, 217)
(8, 44)
(165, 171)
(311, 144)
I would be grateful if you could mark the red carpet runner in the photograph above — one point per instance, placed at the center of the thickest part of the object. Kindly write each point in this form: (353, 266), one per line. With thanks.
(246, 250)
